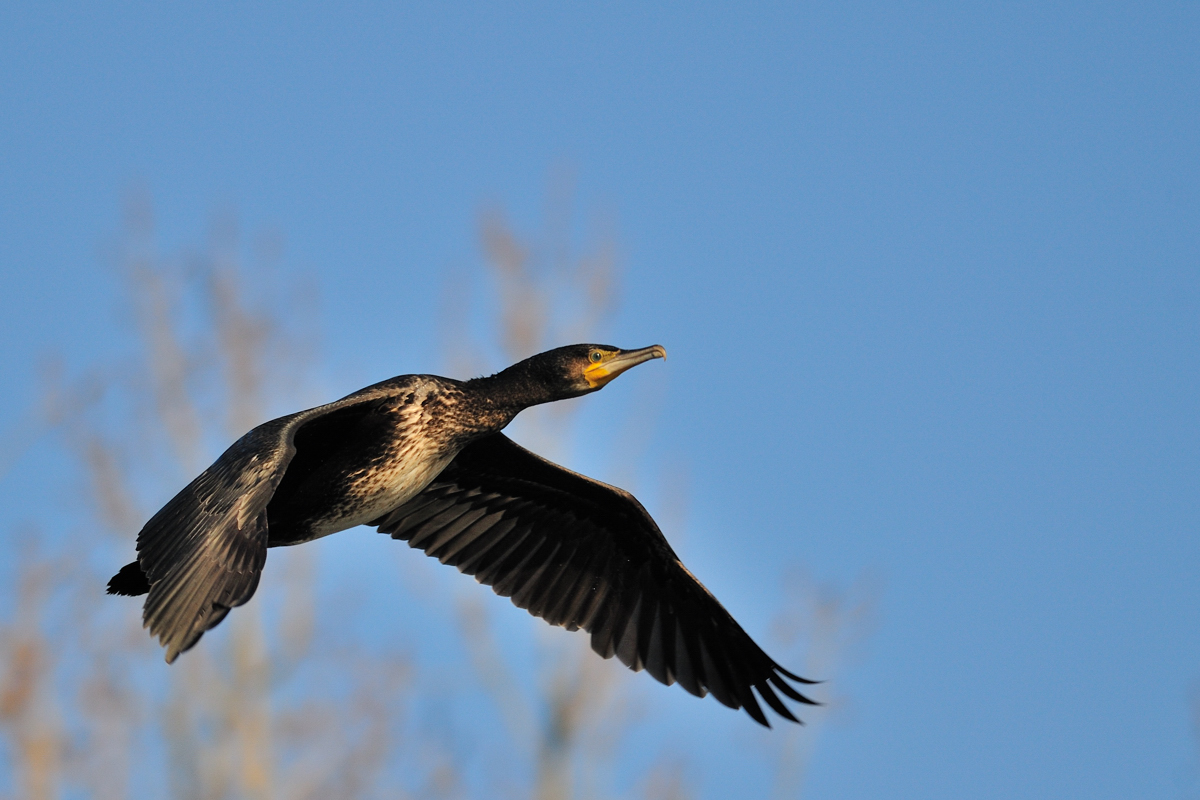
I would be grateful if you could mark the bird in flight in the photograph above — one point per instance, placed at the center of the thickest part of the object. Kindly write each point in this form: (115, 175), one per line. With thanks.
(422, 458)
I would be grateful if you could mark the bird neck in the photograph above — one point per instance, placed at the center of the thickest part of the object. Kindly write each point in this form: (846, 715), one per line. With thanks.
(510, 391)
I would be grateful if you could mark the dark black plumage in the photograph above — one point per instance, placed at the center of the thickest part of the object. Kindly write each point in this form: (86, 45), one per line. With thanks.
(421, 458)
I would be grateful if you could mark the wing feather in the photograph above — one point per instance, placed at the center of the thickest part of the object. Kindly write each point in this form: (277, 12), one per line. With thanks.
(203, 552)
(582, 554)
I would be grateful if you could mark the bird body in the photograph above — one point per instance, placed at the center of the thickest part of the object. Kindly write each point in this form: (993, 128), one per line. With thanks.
(374, 456)
(421, 457)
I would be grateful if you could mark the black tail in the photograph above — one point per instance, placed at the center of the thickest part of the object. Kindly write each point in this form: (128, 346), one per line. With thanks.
(130, 581)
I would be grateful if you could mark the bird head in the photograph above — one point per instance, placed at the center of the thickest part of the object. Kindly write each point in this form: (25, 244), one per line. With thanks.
(579, 369)
(598, 364)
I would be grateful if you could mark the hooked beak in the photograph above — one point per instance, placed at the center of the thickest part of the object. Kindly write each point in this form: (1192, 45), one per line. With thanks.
(599, 374)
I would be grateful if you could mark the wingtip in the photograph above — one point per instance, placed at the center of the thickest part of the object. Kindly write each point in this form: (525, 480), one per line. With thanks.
(797, 678)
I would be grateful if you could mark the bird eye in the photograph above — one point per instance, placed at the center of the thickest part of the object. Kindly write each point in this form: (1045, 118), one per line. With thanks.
(596, 356)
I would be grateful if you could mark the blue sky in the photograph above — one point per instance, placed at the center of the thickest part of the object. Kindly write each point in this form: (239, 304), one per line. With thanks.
(929, 277)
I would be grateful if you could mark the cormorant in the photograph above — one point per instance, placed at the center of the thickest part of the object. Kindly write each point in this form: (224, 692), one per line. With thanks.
(422, 458)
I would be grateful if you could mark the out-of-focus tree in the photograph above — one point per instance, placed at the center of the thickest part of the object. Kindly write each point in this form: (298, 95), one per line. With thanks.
(832, 624)
(83, 702)
(271, 706)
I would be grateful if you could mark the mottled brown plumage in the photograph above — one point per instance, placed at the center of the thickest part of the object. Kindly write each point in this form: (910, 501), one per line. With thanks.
(422, 458)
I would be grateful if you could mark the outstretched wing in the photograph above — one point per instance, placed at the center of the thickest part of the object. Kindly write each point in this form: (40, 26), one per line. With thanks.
(582, 554)
(204, 551)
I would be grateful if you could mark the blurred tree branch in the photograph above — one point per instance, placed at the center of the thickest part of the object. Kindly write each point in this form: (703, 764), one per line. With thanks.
(268, 707)
(204, 345)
